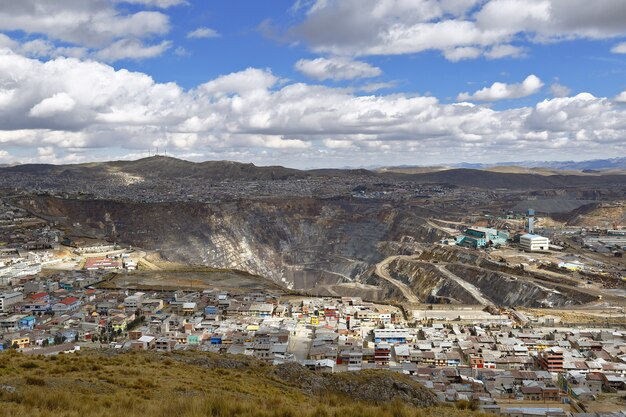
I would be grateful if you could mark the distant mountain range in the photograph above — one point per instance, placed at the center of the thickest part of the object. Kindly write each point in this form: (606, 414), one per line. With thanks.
(161, 168)
(546, 168)
(593, 164)
(165, 167)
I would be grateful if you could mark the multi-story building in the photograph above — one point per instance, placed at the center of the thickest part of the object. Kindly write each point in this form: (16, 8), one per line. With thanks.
(533, 242)
(8, 299)
(134, 301)
(66, 305)
(551, 360)
(382, 354)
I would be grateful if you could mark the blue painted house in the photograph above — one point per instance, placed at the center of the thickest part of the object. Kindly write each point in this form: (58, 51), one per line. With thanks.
(210, 310)
(27, 323)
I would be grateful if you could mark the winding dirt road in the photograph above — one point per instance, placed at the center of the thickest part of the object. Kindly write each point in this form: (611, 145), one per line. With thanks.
(475, 292)
(382, 270)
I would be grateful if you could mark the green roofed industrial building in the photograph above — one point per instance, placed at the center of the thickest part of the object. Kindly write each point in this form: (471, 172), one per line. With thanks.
(481, 237)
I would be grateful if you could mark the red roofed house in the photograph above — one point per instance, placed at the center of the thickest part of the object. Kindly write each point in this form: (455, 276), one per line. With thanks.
(67, 304)
(37, 303)
(40, 296)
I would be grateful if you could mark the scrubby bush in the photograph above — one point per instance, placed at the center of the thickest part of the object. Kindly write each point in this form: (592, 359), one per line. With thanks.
(33, 380)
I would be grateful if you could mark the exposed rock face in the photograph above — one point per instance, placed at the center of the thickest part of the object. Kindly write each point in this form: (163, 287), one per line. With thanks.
(507, 290)
(372, 386)
(452, 254)
(429, 284)
(302, 243)
(322, 246)
(432, 286)
(607, 214)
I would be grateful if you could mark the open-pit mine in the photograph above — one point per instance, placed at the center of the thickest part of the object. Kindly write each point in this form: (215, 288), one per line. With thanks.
(383, 236)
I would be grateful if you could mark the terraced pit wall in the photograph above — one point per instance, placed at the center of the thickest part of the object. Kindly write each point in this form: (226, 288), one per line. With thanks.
(300, 243)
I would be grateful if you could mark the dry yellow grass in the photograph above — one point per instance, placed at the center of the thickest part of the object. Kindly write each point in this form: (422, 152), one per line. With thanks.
(93, 384)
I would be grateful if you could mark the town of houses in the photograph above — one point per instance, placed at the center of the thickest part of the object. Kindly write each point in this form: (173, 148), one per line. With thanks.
(500, 359)
(486, 360)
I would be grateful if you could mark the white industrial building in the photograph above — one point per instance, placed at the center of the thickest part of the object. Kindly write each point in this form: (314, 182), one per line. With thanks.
(532, 242)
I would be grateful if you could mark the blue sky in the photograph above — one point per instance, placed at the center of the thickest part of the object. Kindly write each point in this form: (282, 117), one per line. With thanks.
(584, 65)
(313, 83)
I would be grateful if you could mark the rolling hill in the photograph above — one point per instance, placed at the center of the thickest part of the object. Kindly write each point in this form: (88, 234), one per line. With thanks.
(94, 383)
(160, 167)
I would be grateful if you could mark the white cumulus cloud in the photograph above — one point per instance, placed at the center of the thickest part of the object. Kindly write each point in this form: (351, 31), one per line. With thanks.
(78, 28)
(462, 52)
(621, 97)
(91, 23)
(620, 48)
(51, 106)
(560, 90)
(131, 49)
(459, 29)
(504, 51)
(163, 4)
(202, 33)
(501, 91)
(65, 109)
(336, 68)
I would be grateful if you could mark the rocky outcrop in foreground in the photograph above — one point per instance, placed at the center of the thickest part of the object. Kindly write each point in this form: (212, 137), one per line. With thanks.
(375, 386)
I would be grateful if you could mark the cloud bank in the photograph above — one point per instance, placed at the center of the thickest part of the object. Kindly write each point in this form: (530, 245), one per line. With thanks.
(66, 109)
(100, 28)
(461, 29)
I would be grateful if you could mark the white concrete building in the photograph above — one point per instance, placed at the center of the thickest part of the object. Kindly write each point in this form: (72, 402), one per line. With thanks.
(134, 301)
(9, 299)
(130, 264)
(534, 242)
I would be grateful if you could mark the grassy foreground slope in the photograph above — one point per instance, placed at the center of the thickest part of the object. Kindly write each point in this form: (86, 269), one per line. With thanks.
(103, 384)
